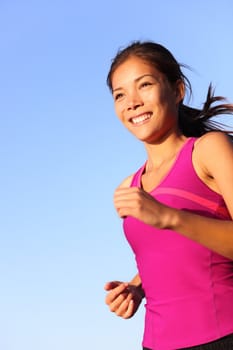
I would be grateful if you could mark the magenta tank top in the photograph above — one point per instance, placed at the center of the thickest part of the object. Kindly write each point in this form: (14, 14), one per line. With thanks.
(188, 288)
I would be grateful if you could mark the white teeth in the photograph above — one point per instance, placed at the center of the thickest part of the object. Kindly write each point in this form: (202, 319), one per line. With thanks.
(141, 118)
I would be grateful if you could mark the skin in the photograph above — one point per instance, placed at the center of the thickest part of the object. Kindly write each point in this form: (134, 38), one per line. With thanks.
(147, 104)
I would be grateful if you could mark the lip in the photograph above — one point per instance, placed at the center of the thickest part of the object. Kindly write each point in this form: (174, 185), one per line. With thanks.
(140, 118)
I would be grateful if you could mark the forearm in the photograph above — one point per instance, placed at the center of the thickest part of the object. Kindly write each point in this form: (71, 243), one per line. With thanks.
(215, 234)
(136, 282)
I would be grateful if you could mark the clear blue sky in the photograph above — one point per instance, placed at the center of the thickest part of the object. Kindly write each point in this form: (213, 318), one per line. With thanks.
(63, 152)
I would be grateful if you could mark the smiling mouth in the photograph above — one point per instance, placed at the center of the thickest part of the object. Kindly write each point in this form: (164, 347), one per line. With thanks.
(141, 118)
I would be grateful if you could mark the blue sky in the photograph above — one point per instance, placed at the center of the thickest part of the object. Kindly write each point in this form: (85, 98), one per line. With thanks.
(63, 152)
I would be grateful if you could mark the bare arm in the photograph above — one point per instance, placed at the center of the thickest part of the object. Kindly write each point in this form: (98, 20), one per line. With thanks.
(136, 281)
(215, 154)
(216, 160)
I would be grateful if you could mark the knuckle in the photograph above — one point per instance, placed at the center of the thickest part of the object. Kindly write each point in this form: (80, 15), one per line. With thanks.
(119, 313)
(126, 316)
(112, 308)
(107, 301)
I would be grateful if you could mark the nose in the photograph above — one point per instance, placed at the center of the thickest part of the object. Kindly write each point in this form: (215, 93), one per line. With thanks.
(134, 101)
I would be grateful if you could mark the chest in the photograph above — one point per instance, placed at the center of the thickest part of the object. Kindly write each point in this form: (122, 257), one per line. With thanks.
(152, 178)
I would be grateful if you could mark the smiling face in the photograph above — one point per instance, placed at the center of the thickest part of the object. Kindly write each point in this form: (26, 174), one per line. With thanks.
(145, 101)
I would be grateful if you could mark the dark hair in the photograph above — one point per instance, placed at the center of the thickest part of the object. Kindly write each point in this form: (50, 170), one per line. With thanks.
(192, 121)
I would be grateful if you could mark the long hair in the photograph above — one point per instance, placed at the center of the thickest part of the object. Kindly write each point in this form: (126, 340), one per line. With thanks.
(192, 121)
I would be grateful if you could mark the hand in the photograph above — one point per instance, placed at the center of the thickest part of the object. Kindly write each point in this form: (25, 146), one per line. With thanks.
(135, 202)
(123, 298)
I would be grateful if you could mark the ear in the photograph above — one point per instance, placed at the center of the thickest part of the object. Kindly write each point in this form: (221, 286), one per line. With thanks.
(179, 90)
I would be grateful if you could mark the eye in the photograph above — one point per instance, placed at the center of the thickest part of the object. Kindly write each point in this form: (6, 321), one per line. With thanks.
(145, 84)
(118, 96)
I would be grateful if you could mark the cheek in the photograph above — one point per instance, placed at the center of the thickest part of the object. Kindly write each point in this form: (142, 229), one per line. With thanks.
(154, 97)
(118, 111)
(169, 101)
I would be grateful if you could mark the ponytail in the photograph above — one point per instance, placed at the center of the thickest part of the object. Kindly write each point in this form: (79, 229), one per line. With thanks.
(197, 122)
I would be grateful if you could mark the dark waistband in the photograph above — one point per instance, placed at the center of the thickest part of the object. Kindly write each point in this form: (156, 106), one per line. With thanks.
(224, 343)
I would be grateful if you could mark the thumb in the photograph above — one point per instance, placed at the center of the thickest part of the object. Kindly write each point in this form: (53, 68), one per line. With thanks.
(111, 285)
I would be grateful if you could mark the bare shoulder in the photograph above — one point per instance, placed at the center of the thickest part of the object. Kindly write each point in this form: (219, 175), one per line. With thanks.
(213, 155)
(212, 145)
(126, 182)
(213, 139)
(213, 160)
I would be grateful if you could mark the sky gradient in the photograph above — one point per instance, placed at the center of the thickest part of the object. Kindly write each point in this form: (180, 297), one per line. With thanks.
(63, 152)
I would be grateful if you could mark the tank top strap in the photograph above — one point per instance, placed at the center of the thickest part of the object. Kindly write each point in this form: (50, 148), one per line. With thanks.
(136, 181)
(186, 149)
(185, 154)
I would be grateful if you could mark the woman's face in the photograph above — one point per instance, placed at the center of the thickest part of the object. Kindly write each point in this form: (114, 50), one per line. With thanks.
(145, 101)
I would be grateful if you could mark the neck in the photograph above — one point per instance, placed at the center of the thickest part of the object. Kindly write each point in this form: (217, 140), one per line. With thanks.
(163, 150)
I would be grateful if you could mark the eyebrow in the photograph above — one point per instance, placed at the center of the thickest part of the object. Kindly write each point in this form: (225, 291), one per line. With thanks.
(136, 80)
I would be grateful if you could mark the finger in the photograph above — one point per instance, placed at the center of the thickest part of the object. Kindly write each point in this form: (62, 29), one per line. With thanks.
(129, 203)
(130, 309)
(126, 190)
(124, 308)
(125, 196)
(115, 293)
(117, 305)
(126, 203)
(124, 200)
(111, 285)
(124, 212)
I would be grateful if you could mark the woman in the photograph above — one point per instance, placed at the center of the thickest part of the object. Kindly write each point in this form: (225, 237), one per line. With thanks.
(177, 208)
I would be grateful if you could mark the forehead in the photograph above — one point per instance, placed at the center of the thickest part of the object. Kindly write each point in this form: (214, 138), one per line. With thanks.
(132, 69)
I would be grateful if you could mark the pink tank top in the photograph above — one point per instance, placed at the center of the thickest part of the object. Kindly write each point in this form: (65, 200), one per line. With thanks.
(189, 288)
